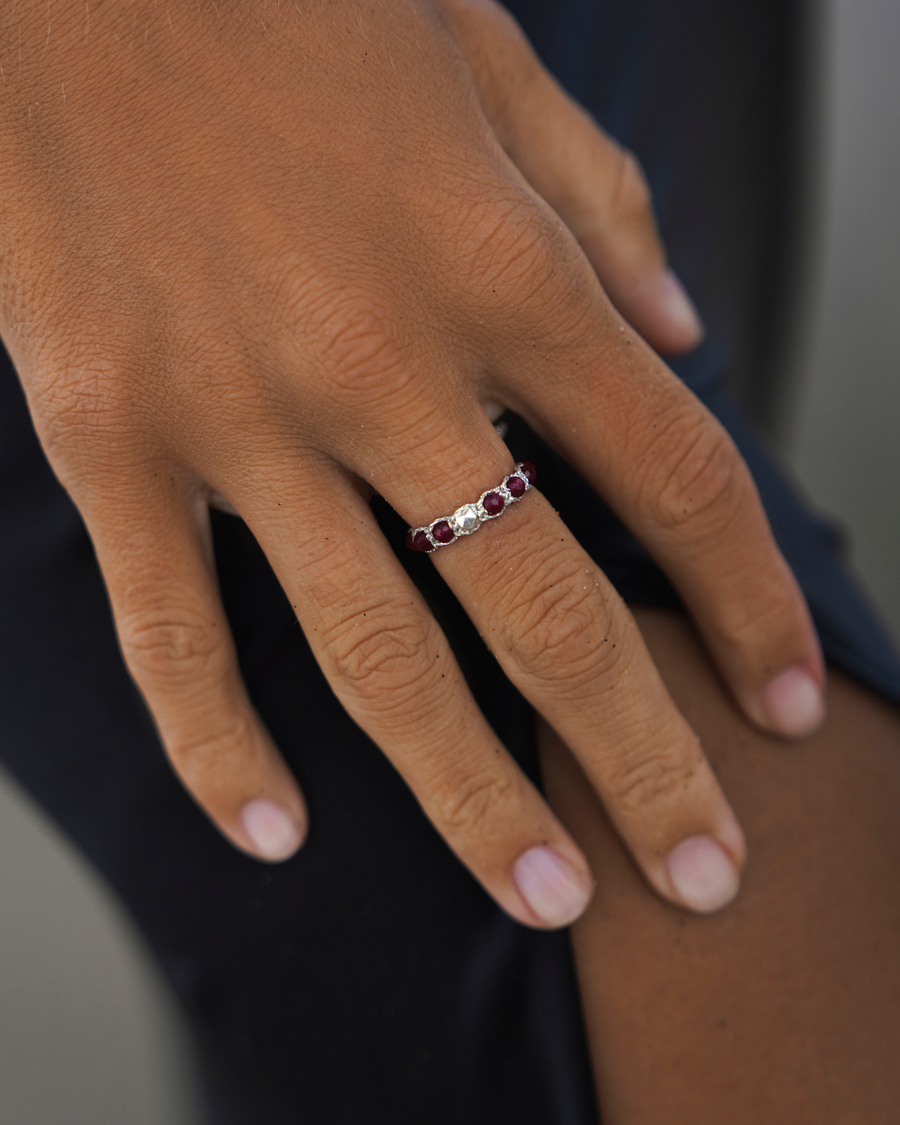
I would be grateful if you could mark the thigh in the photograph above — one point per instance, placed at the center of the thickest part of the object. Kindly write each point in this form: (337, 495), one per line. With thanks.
(785, 1007)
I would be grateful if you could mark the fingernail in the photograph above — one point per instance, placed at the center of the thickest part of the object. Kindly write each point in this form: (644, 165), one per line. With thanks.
(793, 703)
(679, 308)
(554, 890)
(272, 831)
(702, 874)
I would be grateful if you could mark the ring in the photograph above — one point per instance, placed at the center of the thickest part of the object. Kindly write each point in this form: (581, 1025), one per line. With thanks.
(467, 519)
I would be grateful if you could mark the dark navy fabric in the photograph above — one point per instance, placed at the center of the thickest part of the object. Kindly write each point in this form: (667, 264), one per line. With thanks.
(370, 979)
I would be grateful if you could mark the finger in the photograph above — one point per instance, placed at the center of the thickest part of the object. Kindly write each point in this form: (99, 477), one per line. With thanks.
(674, 476)
(563, 636)
(157, 562)
(567, 641)
(392, 669)
(594, 185)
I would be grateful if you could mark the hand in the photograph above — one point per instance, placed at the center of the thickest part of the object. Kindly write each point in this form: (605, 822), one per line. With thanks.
(285, 253)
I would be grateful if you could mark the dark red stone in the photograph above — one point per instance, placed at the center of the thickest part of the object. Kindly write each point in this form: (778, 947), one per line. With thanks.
(493, 503)
(420, 542)
(515, 486)
(528, 471)
(443, 532)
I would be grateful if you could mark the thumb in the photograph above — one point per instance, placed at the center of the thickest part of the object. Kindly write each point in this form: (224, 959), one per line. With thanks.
(596, 187)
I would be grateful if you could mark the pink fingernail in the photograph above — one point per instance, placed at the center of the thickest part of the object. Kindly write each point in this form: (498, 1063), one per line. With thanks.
(793, 703)
(551, 886)
(703, 875)
(272, 831)
(679, 308)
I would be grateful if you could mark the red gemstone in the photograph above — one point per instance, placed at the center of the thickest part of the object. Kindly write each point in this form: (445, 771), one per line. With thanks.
(421, 542)
(528, 471)
(493, 503)
(515, 486)
(443, 532)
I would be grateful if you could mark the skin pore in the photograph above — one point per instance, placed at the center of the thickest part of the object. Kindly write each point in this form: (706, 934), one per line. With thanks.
(783, 1008)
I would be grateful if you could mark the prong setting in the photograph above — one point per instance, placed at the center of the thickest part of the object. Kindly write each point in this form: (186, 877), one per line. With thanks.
(466, 520)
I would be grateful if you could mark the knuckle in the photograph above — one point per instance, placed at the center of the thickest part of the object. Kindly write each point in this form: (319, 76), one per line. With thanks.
(769, 606)
(699, 478)
(360, 344)
(207, 754)
(82, 410)
(383, 658)
(630, 197)
(168, 646)
(475, 802)
(560, 625)
(512, 246)
(646, 778)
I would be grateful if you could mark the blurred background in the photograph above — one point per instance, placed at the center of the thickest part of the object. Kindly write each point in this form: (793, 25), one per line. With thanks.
(838, 432)
(87, 1034)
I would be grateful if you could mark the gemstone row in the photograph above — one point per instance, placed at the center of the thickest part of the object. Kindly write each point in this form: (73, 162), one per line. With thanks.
(470, 517)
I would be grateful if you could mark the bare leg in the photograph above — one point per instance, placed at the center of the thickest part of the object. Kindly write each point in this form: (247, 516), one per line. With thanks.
(785, 1008)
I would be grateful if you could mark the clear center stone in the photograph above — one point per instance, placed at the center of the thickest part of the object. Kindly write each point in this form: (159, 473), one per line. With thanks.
(466, 518)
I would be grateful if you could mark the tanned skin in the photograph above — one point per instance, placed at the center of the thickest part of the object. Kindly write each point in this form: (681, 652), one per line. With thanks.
(784, 1009)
